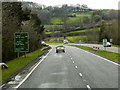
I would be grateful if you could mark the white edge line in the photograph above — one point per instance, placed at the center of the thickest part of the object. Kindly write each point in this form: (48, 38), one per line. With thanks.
(80, 74)
(32, 71)
(101, 57)
(2, 85)
(88, 87)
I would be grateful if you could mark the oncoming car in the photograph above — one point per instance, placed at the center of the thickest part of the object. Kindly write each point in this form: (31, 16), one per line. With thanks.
(108, 44)
(60, 48)
(65, 41)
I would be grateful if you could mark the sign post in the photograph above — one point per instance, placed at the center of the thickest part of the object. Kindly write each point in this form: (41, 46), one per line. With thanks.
(21, 42)
(111, 41)
(105, 43)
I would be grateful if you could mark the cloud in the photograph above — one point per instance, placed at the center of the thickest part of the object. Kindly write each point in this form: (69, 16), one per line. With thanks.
(94, 4)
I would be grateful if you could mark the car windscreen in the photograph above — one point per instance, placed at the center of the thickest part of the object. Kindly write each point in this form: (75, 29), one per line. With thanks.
(59, 46)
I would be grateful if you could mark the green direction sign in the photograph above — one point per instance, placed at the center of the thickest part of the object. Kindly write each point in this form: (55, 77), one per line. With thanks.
(21, 42)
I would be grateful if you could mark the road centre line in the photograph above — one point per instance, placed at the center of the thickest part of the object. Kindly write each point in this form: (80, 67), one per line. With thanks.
(101, 57)
(76, 67)
(32, 70)
(73, 62)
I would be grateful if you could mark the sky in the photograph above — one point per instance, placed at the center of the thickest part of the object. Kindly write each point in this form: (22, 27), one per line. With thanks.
(93, 4)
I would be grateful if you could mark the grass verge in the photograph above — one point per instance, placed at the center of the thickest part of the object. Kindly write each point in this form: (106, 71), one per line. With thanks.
(109, 55)
(74, 39)
(18, 63)
(116, 45)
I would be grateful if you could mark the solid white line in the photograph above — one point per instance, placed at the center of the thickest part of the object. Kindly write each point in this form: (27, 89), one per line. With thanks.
(80, 74)
(2, 85)
(32, 71)
(76, 67)
(88, 87)
(101, 57)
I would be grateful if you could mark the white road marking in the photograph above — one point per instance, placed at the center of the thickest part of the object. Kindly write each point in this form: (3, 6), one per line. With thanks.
(101, 57)
(73, 61)
(2, 86)
(71, 58)
(32, 70)
(80, 74)
(76, 67)
(88, 87)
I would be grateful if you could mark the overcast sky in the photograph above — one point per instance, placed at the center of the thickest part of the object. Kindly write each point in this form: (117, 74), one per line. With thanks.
(94, 4)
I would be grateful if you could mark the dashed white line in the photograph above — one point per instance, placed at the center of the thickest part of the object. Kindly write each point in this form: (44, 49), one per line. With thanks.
(32, 70)
(88, 87)
(73, 62)
(76, 67)
(80, 74)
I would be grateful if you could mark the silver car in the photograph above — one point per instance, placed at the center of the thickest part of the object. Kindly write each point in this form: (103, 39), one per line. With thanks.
(60, 48)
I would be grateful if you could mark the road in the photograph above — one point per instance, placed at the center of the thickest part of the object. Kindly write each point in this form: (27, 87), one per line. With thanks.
(75, 68)
(110, 49)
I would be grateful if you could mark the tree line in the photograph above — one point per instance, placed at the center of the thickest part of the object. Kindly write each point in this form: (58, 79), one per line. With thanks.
(15, 18)
(45, 13)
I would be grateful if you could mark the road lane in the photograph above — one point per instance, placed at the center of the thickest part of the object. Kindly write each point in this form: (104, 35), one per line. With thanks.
(110, 49)
(74, 69)
(98, 72)
(56, 71)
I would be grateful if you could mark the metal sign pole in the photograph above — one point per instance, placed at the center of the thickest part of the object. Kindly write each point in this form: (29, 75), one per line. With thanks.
(18, 55)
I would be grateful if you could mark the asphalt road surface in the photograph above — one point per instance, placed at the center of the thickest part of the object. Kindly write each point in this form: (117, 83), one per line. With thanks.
(75, 68)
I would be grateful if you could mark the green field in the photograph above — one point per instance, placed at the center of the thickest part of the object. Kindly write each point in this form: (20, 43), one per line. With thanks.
(57, 26)
(57, 20)
(85, 30)
(54, 40)
(19, 63)
(75, 31)
(74, 39)
(78, 17)
(48, 32)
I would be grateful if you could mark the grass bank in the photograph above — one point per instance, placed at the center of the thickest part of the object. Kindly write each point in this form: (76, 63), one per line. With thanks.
(109, 55)
(18, 63)
(74, 39)
(116, 45)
